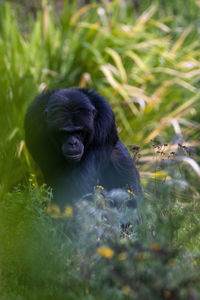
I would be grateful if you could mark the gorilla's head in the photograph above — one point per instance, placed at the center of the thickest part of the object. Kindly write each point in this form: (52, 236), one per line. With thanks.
(70, 123)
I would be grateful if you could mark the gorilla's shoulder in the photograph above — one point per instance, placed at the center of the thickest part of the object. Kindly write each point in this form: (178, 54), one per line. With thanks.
(42, 99)
(100, 103)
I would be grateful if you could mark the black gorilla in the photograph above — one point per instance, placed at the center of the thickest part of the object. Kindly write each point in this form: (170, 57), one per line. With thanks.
(71, 134)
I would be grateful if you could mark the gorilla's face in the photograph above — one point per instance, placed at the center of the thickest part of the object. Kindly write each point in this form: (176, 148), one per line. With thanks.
(72, 143)
(70, 123)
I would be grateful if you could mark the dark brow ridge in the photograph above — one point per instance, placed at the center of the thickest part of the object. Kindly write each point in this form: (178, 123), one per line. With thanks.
(71, 129)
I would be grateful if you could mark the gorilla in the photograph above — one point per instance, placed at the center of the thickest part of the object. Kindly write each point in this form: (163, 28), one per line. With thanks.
(72, 136)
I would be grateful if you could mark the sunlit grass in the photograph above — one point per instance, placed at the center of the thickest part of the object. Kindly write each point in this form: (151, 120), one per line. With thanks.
(147, 71)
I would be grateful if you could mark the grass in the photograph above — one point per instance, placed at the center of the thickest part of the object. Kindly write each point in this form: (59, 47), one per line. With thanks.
(84, 256)
(147, 65)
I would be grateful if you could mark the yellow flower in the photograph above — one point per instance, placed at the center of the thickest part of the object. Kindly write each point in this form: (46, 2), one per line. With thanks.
(171, 261)
(53, 211)
(105, 251)
(130, 192)
(155, 247)
(142, 255)
(68, 212)
(167, 294)
(33, 184)
(100, 187)
(159, 175)
(127, 290)
(30, 179)
(122, 256)
(33, 175)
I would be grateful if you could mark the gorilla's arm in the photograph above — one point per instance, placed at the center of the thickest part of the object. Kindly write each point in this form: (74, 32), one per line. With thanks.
(125, 172)
(76, 181)
(37, 139)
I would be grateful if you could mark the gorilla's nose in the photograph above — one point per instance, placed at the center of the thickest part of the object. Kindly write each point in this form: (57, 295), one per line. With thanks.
(72, 142)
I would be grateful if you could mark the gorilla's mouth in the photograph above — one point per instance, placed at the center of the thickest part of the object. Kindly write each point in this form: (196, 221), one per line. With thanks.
(73, 156)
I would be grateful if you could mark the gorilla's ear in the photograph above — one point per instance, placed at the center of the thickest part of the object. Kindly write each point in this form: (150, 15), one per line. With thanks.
(45, 113)
(105, 129)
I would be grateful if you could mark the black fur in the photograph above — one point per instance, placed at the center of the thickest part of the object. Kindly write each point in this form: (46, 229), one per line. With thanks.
(75, 163)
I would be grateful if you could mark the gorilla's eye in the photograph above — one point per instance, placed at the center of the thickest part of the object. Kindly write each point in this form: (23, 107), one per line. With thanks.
(80, 133)
(62, 135)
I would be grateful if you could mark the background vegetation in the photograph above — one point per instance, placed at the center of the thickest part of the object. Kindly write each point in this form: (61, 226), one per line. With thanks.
(144, 58)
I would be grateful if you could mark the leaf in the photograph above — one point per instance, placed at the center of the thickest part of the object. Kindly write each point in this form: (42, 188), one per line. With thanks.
(146, 16)
(181, 40)
(137, 60)
(81, 12)
(118, 62)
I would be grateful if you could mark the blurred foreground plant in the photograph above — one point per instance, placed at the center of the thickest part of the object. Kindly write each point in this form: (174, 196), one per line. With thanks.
(89, 255)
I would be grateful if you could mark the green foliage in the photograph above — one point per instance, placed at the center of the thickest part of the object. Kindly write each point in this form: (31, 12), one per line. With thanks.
(32, 250)
(148, 70)
(88, 254)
